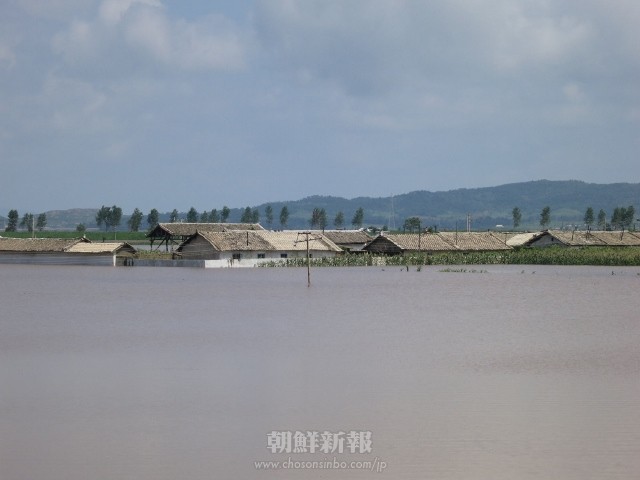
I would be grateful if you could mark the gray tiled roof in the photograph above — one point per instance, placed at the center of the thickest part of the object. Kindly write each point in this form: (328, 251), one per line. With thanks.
(38, 244)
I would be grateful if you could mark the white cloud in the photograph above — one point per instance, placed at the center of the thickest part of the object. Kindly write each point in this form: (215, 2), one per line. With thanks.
(372, 46)
(132, 33)
(112, 12)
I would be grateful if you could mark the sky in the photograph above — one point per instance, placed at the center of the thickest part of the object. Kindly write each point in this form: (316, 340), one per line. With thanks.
(172, 104)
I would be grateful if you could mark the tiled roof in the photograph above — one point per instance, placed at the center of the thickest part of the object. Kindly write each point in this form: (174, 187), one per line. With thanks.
(521, 239)
(101, 247)
(185, 229)
(38, 244)
(468, 241)
(441, 242)
(292, 240)
(595, 238)
(575, 239)
(236, 241)
(618, 238)
(425, 241)
(344, 237)
(263, 240)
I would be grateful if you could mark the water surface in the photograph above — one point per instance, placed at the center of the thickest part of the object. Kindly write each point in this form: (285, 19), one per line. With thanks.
(518, 372)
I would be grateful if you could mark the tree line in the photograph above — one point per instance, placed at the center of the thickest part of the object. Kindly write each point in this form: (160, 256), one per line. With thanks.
(622, 218)
(28, 222)
(319, 219)
(110, 218)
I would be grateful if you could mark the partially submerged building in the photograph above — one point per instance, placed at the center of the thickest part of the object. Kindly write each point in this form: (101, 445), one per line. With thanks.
(173, 234)
(252, 247)
(64, 251)
(396, 244)
(564, 238)
(348, 240)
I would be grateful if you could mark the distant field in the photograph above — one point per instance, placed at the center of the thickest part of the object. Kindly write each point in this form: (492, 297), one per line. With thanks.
(93, 236)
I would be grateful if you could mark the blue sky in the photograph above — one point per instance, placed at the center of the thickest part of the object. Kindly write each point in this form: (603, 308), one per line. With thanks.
(158, 104)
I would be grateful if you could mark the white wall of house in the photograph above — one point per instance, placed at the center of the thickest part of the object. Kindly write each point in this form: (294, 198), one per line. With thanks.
(255, 258)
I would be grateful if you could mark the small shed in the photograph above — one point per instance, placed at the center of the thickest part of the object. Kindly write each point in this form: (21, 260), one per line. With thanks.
(109, 253)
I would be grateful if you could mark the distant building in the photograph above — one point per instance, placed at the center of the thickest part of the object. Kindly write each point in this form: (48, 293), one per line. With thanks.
(250, 248)
(64, 251)
(565, 238)
(395, 244)
(173, 234)
(349, 240)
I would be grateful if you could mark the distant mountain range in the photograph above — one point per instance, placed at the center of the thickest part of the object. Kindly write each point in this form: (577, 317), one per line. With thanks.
(487, 207)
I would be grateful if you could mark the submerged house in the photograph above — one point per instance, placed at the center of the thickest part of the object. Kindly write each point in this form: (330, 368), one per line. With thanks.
(64, 251)
(563, 238)
(173, 234)
(252, 247)
(348, 240)
(475, 241)
(397, 244)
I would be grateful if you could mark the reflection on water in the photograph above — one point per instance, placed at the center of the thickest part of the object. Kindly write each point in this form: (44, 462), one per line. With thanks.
(520, 372)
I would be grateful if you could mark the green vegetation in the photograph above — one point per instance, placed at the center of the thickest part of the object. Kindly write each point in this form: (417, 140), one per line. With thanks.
(318, 219)
(12, 224)
(152, 218)
(358, 218)
(268, 215)
(224, 214)
(545, 217)
(135, 220)
(284, 216)
(589, 217)
(488, 207)
(192, 215)
(412, 224)
(110, 217)
(606, 256)
(517, 217)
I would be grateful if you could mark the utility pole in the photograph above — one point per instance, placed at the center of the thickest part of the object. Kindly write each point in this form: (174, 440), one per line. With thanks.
(307, 240)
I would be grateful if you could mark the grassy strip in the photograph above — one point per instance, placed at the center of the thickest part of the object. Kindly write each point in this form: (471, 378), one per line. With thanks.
(93, 236)
(607, 256)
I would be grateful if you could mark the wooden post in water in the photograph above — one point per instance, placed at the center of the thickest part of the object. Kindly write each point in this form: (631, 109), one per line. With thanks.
(307, 239)
(308, 263)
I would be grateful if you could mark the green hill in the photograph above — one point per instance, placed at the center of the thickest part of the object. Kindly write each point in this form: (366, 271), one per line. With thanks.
(488, 207)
